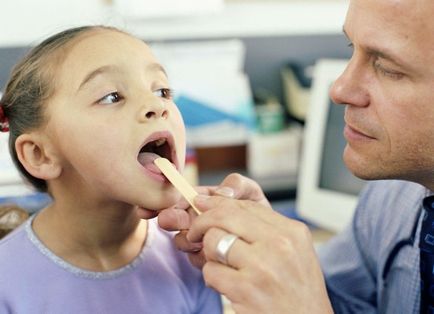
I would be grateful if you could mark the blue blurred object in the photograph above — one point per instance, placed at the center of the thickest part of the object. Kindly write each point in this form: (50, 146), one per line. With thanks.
(196, 113)
(31, 202)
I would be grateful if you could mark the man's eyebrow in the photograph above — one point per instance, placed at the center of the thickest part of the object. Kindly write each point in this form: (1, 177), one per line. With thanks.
(387, 56)
(95, 73)
(345, 32)
(379, 53)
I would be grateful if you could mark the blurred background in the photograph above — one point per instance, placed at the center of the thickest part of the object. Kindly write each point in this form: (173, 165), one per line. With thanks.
(242, 72)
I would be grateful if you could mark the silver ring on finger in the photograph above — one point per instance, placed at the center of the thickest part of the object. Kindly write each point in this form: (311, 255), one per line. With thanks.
(223, 247)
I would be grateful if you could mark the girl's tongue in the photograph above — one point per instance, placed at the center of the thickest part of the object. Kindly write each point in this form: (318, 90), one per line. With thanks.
(146, 159)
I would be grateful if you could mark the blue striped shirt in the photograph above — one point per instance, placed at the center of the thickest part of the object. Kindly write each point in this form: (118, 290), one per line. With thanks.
(354, 261)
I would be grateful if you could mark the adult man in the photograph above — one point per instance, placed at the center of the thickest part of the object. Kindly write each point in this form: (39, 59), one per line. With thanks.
(388, 89)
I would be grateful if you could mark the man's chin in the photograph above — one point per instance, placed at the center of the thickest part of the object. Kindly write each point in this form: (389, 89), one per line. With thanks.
(144, 213)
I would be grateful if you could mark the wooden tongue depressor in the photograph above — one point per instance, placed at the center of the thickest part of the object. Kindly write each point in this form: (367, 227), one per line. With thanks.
(177, 180)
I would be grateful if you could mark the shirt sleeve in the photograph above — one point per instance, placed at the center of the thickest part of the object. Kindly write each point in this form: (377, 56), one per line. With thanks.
(347, 267)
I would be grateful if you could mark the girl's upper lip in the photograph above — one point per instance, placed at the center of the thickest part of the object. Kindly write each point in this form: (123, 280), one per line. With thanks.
(170, 141)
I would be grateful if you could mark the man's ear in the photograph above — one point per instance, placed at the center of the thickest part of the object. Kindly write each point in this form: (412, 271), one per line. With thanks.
(37, 158)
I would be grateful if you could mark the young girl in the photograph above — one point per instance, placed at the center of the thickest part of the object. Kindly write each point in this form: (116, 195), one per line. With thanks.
(88, 110)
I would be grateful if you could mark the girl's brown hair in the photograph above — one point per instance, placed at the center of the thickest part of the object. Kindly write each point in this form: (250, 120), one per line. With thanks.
(30, 85)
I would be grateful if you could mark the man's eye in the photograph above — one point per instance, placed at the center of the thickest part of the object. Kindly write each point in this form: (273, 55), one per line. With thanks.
(164, 93)
(387, 73)
(111, 98)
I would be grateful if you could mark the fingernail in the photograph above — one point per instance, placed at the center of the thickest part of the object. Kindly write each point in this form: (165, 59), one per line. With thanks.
(196, 247)
(199, 199)
(225, 191)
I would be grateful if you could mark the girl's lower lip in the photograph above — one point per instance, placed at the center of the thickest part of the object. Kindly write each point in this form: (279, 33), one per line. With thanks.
(156, 176)
(146, 161)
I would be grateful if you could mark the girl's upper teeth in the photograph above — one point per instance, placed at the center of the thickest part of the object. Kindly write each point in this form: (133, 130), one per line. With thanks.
(160, 142)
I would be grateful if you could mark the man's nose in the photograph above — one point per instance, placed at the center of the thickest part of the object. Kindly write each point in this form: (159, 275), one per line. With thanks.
(350, 87)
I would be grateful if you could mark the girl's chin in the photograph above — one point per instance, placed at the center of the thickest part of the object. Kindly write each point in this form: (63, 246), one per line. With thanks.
(167, 202)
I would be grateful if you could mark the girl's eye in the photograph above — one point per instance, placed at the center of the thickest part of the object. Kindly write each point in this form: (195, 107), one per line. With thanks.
(111, 98)
(164, 93)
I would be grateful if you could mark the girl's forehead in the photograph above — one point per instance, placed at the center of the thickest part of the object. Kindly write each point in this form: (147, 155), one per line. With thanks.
(109, 42)
(100, 49)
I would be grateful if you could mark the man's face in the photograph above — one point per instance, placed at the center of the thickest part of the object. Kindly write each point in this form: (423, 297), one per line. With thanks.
(388, 90)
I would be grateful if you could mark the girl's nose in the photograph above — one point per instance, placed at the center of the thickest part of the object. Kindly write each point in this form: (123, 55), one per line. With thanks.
(152, 110)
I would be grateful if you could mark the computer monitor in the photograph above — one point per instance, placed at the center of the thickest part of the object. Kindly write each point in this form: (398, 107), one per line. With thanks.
(326, 190)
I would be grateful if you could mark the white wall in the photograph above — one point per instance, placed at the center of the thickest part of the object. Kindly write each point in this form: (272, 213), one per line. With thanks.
(26, 22)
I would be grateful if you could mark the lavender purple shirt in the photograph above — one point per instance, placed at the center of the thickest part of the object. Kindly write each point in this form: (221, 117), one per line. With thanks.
(160, 280)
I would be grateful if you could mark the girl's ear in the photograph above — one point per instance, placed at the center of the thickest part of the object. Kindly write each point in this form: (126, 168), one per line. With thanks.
(36, 156)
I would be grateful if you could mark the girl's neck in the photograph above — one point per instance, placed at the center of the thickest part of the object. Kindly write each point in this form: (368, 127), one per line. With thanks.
(96, 239)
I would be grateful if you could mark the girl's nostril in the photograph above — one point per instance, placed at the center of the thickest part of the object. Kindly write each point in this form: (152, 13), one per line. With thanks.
(150, 114)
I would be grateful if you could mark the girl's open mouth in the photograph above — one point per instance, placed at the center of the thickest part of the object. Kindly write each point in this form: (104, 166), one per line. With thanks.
(160, 144)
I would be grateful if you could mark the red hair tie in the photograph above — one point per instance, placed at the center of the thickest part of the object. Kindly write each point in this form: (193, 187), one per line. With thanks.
(4, 122)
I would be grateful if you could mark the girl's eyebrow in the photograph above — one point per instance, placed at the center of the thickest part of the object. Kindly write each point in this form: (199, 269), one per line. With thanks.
(111, 68)
(104, 69)
(156, 67)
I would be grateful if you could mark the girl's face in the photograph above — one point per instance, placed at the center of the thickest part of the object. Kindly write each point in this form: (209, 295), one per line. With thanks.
(111, 115)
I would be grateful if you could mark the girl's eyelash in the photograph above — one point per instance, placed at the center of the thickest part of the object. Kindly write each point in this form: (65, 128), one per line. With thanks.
(111, 98)
(115, 97)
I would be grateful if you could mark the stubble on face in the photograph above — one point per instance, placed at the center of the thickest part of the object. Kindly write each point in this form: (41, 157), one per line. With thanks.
(404, 109)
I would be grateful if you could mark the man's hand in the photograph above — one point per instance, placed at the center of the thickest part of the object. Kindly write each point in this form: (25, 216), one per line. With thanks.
(271, 267)
(180, 217)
